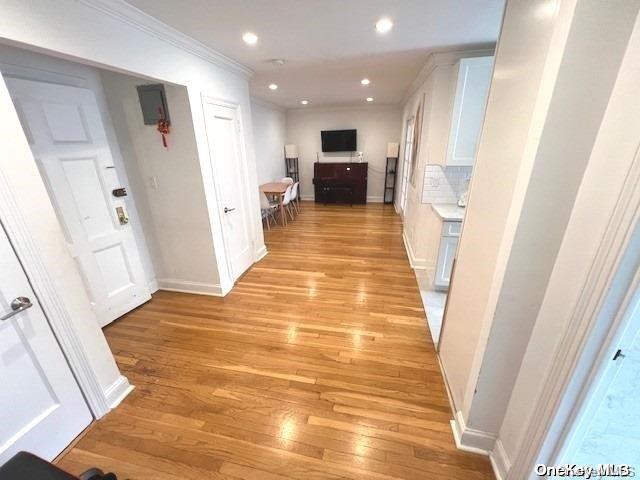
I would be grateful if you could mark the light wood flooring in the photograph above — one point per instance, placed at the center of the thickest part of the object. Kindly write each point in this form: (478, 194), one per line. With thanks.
(318, 365)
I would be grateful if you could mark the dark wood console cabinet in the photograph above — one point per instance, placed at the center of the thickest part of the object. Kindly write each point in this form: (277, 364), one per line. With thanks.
(340, 182)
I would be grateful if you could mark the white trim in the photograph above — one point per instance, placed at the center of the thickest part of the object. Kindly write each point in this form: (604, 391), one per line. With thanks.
(500, 461)
(416, 263)
(52, 305)
(260, 254)
(469, 439)
(118, 391)
(126, 13)
(152, 285)
(185, 286)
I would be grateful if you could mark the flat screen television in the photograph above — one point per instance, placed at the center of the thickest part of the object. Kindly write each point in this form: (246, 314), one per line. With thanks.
(339, 140)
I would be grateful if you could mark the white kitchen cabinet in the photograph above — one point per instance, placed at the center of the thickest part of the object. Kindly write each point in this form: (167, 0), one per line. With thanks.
(472, 88)
(446, 254)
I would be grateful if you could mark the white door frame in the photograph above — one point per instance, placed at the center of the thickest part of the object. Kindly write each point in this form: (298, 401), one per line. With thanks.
(244, 173)
(605, 290)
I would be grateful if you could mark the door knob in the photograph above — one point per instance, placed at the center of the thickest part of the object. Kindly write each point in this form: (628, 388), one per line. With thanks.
(17, 305)
(227, 210)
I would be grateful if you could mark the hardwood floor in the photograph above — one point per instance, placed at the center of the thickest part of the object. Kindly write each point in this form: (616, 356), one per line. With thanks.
(318, 365)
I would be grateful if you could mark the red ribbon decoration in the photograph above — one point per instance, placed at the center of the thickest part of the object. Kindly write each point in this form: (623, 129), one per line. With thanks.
(163, 127)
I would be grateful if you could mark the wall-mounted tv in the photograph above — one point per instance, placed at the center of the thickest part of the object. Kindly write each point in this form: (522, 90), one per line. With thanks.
(339, 140)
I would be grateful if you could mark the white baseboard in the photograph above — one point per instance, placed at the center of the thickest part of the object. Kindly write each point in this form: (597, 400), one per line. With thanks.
(500, 461)
(153, 286)
(184, 286)
(118, 391)
(469, 439)
(261, 253)
(416, 263)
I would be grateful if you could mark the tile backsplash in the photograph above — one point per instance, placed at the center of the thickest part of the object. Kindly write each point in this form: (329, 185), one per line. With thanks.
(444, 184)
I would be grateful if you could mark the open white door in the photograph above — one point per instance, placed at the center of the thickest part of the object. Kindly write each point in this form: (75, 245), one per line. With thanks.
(68, 140)
(223, 133)
(41, 407)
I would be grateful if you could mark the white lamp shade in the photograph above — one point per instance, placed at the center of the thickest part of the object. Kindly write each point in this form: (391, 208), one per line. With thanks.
(291, 151)
(393, 150)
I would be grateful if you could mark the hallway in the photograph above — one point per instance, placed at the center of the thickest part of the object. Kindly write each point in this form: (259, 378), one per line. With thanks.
(317, 365)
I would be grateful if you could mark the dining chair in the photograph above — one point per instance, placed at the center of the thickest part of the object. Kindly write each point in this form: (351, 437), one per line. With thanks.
(287, 180)
(267, 209)
(295, 199)
(286, 202)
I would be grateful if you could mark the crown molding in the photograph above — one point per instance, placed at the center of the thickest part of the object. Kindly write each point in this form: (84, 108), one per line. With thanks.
(126, 13)
(438, 59)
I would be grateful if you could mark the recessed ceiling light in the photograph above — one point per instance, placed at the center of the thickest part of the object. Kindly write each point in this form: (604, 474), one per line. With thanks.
(250, 38)
(305, 102)
(369, 99)
(365, 81)
(273, 86)
(384, 25)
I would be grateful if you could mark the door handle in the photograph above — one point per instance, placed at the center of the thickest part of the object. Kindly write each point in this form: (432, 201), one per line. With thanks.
(227, 210)
(18, 305)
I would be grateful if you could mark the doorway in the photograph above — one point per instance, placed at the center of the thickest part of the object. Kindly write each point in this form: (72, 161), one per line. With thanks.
(406, 165)
(606, 430)
(224, 133)
(68, 140)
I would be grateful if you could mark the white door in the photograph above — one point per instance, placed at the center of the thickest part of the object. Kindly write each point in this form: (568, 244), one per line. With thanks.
(408, 148)
(223, 133)
(68, 140)
(41, 407)
(608, 429)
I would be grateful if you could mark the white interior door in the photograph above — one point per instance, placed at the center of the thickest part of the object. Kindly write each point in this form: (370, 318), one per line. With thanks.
(406, 165)
(68, 140)
(607, 430)
(41, 407)
(223, 133)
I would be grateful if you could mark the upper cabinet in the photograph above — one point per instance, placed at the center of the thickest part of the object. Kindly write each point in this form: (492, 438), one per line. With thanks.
(472, 87)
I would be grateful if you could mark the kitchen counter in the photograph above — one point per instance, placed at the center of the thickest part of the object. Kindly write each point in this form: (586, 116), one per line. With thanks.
(448, 212)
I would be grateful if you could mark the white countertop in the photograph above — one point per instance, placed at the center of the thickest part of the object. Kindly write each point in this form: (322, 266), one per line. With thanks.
(449, 212)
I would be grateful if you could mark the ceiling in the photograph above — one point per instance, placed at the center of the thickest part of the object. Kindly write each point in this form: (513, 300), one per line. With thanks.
(330, 45)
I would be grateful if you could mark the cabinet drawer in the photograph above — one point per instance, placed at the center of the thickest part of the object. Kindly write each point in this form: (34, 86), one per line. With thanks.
(451, 229)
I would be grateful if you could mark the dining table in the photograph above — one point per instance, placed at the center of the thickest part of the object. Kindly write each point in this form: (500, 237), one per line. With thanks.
(276, 190)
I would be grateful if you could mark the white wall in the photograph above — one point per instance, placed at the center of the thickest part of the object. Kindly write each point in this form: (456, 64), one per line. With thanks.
(376, 127)
(506, 258)
(518, 69)
(167, 185)
(269, 137)
(113, 34)
(554, 166)
(574, 296)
